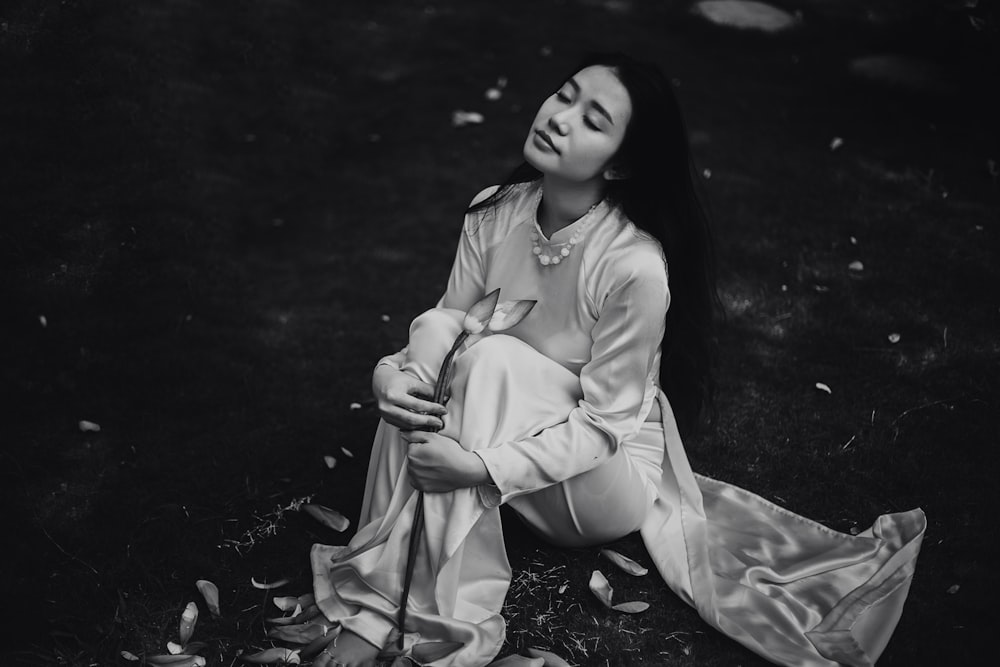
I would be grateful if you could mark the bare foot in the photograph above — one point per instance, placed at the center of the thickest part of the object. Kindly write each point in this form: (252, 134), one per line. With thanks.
(349, 650)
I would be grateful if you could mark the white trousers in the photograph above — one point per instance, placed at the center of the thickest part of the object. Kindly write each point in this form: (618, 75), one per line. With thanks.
(502, 389)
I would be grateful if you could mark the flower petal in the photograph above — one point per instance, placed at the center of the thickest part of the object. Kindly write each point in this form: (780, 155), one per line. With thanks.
(303, 633)
(264, 586)
(481, 312)
(176, 660)
(551, 659)
(128, 655)
(87, 426)
(286, 603)
(328, 517)
(188, 618)
(600, 587)
(824, 387)
(509, 313)
(518, 661)
(275, 655)
(624, 562)
(330, 462)
(631, 607)
(173, 648)
(211, 594)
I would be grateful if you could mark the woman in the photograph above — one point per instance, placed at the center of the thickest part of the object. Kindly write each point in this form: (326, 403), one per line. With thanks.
(563, 418)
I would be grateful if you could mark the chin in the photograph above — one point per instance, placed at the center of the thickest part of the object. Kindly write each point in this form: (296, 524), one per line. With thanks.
(535, 158)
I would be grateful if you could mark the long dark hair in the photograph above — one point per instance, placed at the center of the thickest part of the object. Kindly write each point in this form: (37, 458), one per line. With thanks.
(660, 196)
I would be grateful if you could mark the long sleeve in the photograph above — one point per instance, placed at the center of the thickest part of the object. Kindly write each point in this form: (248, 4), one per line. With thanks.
(626, 339)
(468, 272)
(467, 278)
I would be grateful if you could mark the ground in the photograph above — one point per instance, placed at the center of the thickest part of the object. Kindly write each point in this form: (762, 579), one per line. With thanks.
(217, 216)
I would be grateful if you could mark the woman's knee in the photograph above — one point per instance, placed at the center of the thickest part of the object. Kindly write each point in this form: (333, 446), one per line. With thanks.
(497, 350)
(437, 321)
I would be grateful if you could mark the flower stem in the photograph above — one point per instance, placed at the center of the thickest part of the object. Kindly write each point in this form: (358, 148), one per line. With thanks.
(440, 390)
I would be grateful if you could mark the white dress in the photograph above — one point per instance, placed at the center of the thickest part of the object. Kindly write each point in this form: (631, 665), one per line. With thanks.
(557, 409)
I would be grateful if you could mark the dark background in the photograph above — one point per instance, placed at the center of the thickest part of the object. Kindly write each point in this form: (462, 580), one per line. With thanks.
(226, 212)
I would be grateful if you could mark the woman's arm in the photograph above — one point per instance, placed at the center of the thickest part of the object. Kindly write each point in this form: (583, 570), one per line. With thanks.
(626, 338)
(400, 396)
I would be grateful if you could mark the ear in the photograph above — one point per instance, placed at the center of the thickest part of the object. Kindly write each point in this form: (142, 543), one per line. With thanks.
(615, 174)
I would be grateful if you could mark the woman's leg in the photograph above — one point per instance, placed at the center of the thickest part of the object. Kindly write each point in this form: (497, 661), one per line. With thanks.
(461, 574)
(603, 504)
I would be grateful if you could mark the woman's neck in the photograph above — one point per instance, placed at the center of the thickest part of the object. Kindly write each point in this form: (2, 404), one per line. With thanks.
(564, 202)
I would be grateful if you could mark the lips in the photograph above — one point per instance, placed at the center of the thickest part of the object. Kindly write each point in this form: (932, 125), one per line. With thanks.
(544, 136)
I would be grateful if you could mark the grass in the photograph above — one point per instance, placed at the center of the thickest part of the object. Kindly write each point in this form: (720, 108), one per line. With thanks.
(213, 206)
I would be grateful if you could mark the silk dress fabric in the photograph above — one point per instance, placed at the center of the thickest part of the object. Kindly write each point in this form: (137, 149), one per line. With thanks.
(558, 399)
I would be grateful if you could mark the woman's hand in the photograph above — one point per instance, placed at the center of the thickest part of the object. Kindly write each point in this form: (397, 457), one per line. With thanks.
(399, 400)
(438, 464)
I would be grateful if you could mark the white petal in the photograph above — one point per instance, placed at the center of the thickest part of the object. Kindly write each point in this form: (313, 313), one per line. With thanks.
(624, 562)
(745, 15)
(274, 656)
(211, 594)
(173, 648)
(856, 265)
(330, 461)
(348, 453)
(87, 426)
(600, 587)
(824, 387)
(286, 603)
(328, 517)
(632, 607)
(551, 659)
(894, 338)
(130, 656)
(264, 586)
(188, 619)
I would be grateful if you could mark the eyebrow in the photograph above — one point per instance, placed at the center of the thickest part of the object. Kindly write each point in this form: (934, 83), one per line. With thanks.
(597, 105)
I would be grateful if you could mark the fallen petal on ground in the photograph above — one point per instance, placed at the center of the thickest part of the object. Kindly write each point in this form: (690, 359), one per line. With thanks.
(824, 387)
(285, 603)
(600, 587)
(551, 659)
(460, 118)
(265, 586)
(744, 14)
(176, 660)
(275, 655)
(624, 562)
(88, 427)
(188, 618)
(328, 517)
(518, 661)
(631, 607)
(210, 592)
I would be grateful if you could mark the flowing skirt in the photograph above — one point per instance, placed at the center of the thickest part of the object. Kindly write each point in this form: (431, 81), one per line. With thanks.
(788, 588)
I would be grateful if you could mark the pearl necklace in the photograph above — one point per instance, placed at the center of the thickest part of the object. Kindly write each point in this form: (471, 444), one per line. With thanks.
(546, 259)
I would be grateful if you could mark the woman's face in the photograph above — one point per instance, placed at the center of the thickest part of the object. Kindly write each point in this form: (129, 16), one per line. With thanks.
(578, 130)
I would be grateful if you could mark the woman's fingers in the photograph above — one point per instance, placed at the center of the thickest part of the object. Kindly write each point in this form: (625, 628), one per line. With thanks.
(412, 401)
(413, 436)
(410, 421)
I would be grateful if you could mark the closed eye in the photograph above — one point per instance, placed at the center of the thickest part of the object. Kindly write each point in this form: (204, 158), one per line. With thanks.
(591, 124)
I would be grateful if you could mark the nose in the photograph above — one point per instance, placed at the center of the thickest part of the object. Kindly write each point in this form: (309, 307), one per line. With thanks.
(558, 124)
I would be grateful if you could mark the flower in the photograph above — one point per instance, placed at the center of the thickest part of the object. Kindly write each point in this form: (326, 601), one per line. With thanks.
(480, 313)
(509, 313)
